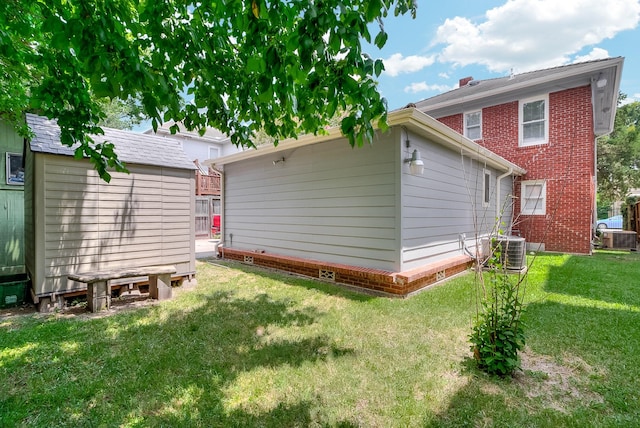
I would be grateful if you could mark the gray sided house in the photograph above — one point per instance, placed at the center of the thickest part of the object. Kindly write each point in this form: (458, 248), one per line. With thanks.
(76, 222)
(358, 216)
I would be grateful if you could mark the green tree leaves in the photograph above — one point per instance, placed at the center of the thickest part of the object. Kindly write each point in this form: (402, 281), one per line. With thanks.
(619, 155)
(248, 65)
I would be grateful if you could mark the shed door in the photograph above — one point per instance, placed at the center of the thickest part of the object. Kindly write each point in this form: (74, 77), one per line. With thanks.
(203, 216)
(11, 232)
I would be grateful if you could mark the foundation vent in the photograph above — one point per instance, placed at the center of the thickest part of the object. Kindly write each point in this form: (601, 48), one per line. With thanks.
(248, 259)
(327, 274)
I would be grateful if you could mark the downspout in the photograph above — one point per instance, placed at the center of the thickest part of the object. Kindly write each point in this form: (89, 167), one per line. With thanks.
(594, 214)
(221, 243)
(499, 197)
(594, 84)
(222, 212)
(594, 206)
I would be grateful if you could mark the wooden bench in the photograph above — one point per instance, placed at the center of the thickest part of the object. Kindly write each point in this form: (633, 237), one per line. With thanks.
(99, 290)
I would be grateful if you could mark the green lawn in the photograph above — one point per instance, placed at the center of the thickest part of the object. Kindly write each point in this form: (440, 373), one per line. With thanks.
(254, 348)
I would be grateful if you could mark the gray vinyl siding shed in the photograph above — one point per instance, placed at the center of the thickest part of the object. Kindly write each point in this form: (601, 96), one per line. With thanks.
(318, 198)
(76, 222)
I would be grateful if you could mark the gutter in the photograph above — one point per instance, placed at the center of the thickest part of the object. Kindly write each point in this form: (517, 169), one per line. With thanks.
(411, 118)
(222, 213)
(440, 133)
(499, 197)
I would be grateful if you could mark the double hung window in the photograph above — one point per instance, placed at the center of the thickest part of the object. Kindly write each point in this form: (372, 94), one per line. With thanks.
(534, 121)
(534, 197)
(473, 125)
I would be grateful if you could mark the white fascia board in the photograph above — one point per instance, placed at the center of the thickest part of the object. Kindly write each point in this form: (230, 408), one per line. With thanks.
(613, 100)
(266, 149)
(584, 71)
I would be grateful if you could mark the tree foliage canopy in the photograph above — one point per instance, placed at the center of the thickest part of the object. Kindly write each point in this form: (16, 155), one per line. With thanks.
(121, 114)
(619, 155)
(282, 66)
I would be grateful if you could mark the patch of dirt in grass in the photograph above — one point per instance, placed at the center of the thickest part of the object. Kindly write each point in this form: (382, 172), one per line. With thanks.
(117, 305)
(559, 385)
(24, 309)
(491, 389)
(78, 309)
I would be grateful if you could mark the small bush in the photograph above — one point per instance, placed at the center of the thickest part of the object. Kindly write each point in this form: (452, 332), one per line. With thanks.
(498, 334)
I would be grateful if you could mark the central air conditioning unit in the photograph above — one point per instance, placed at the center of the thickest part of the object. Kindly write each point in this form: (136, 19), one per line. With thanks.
(512, 251)
(619, 239)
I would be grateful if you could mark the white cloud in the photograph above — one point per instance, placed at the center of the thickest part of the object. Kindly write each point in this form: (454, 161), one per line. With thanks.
(533, 34)
(631, 98)
(397, 64)
(596, 53)
(424, 87)
(444, 75)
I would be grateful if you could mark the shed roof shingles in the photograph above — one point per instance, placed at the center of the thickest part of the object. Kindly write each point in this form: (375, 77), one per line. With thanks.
(131, 147)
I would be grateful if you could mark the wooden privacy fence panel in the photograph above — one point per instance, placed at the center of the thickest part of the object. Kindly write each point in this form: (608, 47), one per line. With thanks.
(203, 216)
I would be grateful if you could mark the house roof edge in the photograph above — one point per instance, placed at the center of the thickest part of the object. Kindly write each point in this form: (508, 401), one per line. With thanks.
(442, 134)
(565, 71)
(411, 117)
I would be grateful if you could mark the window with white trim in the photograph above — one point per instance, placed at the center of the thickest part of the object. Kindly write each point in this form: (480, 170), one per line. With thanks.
(534, 121)
(534, 197)
(214, 152)
(473, 125)
(15, 169)
(486, 197)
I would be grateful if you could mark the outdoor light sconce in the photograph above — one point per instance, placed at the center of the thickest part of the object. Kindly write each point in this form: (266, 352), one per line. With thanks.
(416, 166)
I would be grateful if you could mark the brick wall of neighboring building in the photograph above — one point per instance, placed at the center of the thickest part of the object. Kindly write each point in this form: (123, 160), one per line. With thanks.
(454, 122)
(567, 162)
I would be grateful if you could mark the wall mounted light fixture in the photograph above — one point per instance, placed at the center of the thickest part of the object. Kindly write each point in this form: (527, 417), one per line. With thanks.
(416, 166)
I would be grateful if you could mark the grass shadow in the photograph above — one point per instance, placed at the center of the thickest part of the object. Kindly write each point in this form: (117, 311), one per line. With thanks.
(156, 366)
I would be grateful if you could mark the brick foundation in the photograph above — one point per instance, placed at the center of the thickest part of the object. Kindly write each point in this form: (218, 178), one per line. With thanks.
(379, 281)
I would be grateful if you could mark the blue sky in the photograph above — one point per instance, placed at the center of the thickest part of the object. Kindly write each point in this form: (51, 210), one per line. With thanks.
(453, 39)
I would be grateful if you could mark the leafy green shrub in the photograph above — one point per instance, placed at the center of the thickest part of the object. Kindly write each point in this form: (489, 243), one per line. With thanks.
(498, 334)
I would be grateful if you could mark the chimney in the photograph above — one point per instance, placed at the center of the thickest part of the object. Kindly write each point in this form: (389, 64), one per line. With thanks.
(465, 80)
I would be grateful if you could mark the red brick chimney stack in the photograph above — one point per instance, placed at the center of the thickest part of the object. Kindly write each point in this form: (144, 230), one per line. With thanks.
(465, 80)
